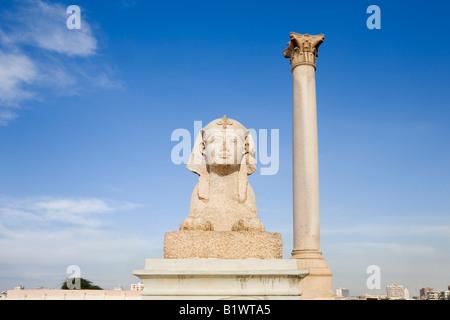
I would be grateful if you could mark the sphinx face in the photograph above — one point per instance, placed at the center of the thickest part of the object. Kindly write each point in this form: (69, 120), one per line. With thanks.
(223, 147)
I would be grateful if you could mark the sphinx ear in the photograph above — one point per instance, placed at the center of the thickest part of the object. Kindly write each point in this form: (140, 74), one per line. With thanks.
(246, 143)
(201, 147)
(250, 153)
(195, 163)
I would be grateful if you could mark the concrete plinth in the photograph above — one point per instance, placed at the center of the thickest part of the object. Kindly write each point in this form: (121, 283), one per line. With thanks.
(213, 279)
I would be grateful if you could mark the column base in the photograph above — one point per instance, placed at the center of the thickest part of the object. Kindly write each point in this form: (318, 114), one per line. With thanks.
(318, 284)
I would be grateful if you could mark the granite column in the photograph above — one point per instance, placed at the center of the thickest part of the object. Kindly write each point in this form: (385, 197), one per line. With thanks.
(302, 52)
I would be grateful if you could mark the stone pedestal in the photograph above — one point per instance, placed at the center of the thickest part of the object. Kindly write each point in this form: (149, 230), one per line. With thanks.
(213, 279)
(222, 250)
(318, 284)
(222, 245)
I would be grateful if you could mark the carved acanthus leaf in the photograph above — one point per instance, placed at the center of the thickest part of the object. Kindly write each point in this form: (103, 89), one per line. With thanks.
(303, 48)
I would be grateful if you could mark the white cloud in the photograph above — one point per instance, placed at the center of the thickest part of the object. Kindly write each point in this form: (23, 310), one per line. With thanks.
(81, 212)
(391, 249)
(43, 25)
(16, 70)
(128, 3)
(40, 257)
(40, 237)
(6, 116)
(391, 230)
(37, 51)
(414, 255)
(75, 206)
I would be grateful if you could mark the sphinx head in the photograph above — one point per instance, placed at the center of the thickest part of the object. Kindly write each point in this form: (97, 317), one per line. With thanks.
(223, 146)
(223, 149)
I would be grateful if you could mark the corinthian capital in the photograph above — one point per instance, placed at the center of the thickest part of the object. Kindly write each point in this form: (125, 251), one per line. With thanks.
(303, 48)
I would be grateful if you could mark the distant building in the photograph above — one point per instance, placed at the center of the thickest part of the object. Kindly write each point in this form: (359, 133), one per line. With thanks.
(119, 287)
(343, 292)
(372, 297)
(439, 295)
(43, 294)
(19, 287)
(396, 291)
(137, 286)
(424, 292)
(433, 295)
(444, 295)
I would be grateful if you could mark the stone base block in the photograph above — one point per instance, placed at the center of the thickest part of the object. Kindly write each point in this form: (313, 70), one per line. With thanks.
(318, 284)
(208, 279)
(222, 245)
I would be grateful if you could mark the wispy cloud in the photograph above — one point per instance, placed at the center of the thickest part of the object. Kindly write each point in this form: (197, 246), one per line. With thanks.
(37, 51)
(16, 70)
(391, 230)
(43, 235)
(43, 25)
(393, 249)
(128, 3)
(80, 212)
(407, 252)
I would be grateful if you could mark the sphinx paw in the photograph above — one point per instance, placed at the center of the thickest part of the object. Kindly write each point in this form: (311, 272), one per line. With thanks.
(200, 224)
(245, 224)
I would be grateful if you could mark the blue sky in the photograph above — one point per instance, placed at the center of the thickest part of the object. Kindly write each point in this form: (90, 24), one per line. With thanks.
(86, 118)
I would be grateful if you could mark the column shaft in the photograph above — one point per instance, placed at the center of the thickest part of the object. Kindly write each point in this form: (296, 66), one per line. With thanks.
(302, 52)
(305, 161)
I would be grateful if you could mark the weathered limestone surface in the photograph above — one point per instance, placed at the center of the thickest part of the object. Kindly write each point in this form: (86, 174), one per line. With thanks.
(222, 245)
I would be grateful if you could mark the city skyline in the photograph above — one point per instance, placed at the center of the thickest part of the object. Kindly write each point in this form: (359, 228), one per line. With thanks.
(87, 116)
(393, 292)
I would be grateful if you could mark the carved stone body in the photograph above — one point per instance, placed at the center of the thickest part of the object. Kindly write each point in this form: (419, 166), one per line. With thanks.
(223, 211)
(223, 200)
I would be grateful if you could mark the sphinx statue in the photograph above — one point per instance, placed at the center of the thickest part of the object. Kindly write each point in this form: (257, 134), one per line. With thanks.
(223, 156)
